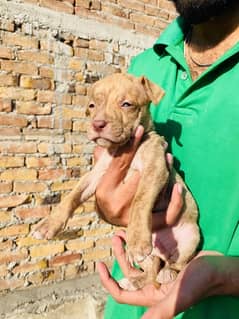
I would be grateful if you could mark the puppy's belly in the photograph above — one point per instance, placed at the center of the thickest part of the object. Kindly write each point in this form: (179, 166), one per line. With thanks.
(170, 243)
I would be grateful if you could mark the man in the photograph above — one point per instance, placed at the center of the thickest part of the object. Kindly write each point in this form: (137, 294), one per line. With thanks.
(196, 62)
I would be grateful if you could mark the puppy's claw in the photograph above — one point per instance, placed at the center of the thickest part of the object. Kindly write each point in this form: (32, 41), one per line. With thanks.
(48, 228)
(138, 254)
(37, 235)
(126, 284)
(166, 275)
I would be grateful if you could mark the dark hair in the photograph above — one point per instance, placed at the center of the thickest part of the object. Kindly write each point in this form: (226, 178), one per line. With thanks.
(198, 11)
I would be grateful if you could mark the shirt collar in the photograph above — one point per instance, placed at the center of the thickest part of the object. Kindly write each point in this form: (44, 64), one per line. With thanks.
(171, 41)
(172, 35)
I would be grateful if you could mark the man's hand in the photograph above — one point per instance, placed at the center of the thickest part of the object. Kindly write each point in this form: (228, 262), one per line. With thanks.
(208, 274)
(114, 196)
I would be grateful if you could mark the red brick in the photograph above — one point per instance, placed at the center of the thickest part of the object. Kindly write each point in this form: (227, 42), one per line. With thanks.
(12, 201)
(7, 25)
(96, 55)
(45, 122)
(35, 162)
(36, 83)
(36, 57)
(6, 245)
(51, 174)
(114, 10)
(30, 267)
(81, 43)
(19, 67)
(15, 230)
(22, 174)
(29, 187)
(13, 120)
(46, 71)
(36, 212)
(132, 5)
(5, 187)
(32, 108)
(18, 147)
(52, 97)
(6, 53)
(9, 161)
(3, 271)
(46, 250)
(8, 79)
(5, 105)
(17, 93)
(65, 260)
(7, 133)
(56, 5)
(15, 39)
(93, 5)
(5, 217)
(82, 53)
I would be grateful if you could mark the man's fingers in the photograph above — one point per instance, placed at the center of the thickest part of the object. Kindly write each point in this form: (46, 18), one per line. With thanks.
(169, 160)
(122, 234)
(138, 135)
(170, 217)
(175, 205)
(208, 253)
(112, 286)
(120, 255)
(141, 297)
(107, 281)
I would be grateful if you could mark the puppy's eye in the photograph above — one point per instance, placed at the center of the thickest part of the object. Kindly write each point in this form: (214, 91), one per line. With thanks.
(126, 104)
(91, 105)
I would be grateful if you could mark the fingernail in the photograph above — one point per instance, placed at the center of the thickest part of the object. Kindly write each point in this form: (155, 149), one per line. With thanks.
(139, 131)
(180, 188)
(165, 145)
(169, 157)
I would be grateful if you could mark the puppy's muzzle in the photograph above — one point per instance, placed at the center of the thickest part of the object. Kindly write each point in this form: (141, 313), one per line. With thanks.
(99, 125)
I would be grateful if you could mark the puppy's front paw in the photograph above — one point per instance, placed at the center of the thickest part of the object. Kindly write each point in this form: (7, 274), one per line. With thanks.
(138, 248)
(166, 275)
(126, 284)
(48, 227)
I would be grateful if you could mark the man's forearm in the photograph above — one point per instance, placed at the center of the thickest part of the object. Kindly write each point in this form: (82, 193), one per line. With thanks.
(228, 268)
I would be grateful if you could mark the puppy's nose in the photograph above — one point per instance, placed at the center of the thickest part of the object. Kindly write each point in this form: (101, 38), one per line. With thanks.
(98, 125)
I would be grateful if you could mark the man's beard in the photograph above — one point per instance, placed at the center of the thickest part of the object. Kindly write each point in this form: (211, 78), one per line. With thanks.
(198, 11)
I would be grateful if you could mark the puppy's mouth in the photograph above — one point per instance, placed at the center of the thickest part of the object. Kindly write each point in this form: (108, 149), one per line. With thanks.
(107, 142)
(109, 138)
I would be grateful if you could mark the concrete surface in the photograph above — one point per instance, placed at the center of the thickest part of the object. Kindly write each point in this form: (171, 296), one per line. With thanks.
(81, 298)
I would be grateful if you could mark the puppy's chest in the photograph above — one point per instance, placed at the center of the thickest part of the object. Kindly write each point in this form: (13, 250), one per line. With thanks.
(138, 162)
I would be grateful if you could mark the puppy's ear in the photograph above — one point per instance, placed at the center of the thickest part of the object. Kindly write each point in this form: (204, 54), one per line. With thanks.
(154, 92)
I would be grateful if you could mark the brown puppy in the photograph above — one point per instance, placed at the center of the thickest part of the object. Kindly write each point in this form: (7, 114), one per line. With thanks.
(118, 104)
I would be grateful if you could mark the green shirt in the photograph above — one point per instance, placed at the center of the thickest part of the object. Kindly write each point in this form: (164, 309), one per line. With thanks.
(200, 120)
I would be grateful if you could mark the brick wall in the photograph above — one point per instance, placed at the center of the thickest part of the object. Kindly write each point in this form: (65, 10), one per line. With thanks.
(48, 59)
(147, 16)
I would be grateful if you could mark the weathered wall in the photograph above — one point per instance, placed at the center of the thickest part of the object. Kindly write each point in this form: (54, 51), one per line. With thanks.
(146, 16)
(48, 59)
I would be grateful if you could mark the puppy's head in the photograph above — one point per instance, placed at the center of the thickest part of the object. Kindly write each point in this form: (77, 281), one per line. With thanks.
(118, 104)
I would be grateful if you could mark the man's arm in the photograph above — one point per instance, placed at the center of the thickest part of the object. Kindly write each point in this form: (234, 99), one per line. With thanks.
(114, 196)
(208, 274)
